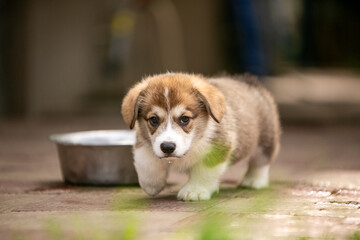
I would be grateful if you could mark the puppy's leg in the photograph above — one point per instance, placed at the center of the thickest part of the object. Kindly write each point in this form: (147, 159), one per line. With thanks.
(152, 171)
(203, 182)
(257, 175)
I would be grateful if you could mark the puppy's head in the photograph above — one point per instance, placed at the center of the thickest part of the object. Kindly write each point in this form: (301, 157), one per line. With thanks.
(172, 111)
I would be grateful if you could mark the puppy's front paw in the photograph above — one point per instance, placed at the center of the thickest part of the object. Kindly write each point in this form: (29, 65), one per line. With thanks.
(152, 190)
(193, 193)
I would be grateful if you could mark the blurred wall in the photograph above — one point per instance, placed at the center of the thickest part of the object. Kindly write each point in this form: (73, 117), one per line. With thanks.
(64, 56)
(177, 36)
(67, 44)
(62, 52)
(13, 40)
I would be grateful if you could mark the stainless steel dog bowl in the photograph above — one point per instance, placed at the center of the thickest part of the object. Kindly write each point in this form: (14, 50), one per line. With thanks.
(97, 157)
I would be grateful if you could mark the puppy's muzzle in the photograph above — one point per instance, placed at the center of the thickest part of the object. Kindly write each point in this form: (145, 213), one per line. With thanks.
(168, 147)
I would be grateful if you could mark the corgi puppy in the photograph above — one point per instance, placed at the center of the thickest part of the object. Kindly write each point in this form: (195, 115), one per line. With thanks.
(200, 126)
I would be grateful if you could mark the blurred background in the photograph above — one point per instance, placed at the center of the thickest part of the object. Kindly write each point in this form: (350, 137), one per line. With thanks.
(61, 58)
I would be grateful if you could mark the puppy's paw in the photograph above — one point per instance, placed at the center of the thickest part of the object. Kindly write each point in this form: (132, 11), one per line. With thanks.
(256, 183)
(193, 193)
(152, 190)
(257, 178)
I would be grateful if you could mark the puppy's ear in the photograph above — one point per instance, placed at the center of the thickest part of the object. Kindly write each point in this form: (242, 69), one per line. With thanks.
(212, 98)
(130, 104)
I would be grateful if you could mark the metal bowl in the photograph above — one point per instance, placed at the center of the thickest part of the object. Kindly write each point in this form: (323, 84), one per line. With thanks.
(97, 157)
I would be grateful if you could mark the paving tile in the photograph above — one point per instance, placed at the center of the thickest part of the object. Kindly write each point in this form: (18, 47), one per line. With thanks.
(41, 225)
(11, 202)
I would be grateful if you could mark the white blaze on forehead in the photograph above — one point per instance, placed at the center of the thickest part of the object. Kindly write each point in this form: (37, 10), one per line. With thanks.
(166, 95)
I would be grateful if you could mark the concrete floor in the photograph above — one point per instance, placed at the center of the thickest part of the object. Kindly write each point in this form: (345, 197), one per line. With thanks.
(314, 192)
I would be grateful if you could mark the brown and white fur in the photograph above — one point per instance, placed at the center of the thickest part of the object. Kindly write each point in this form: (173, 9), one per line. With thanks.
(180, 118)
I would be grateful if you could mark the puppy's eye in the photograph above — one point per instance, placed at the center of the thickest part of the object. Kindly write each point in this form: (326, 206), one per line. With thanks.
(184, 120)
(154, 121)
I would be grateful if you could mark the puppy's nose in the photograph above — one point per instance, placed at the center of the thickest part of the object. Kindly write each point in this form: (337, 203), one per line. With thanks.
(168, 147)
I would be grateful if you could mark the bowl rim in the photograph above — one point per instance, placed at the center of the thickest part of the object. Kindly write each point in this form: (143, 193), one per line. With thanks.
(63, 138)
